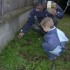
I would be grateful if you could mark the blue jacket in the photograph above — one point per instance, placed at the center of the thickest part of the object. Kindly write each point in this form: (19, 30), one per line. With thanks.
(51, 42)
(40, 16)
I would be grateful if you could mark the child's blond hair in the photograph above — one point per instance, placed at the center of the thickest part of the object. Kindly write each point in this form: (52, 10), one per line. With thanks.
(47, 21)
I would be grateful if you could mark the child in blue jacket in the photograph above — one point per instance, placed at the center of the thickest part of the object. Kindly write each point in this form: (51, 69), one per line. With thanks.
(54, 39)
(39, 12)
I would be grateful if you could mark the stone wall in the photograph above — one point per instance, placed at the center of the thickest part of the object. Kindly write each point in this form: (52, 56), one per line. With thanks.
(13, 15)
(10, 23)
(7, 6)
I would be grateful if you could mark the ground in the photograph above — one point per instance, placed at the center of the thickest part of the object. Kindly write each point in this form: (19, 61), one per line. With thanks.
(27, 54)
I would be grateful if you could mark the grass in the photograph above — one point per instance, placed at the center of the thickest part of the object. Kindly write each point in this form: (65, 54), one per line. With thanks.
(27, 54)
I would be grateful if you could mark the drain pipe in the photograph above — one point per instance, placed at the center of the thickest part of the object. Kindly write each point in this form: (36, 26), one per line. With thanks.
(68, 4)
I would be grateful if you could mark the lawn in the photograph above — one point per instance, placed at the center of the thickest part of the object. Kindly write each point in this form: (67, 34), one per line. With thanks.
(27, 54)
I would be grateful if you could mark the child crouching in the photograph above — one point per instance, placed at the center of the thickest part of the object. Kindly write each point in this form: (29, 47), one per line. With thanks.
(54, 39)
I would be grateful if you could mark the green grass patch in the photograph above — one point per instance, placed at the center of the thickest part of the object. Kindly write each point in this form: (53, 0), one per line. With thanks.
(27, 54)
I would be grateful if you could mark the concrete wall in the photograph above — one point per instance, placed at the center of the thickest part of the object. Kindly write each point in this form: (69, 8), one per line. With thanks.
(0, 7)
(7, 6)
(10, 25)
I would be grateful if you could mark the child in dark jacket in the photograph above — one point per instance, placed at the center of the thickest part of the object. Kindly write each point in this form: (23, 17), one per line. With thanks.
(54, 39)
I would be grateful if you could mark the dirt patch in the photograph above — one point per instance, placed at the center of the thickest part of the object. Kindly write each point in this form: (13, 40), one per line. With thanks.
(66, 55)
(28, 42)
(31, 57)
(22, 67)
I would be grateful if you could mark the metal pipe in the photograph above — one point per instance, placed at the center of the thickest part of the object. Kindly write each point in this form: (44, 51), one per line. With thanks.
(68, 4)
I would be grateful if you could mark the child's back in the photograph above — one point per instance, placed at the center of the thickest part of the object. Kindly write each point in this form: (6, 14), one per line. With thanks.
(54, 39)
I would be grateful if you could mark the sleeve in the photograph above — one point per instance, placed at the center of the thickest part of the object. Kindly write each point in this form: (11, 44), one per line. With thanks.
(46, 46)
(60, 12)
(52, 41)
(29, 23)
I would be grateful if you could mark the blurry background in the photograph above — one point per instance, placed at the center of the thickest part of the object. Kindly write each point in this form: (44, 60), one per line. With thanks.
(63, 4)
(11, 5)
